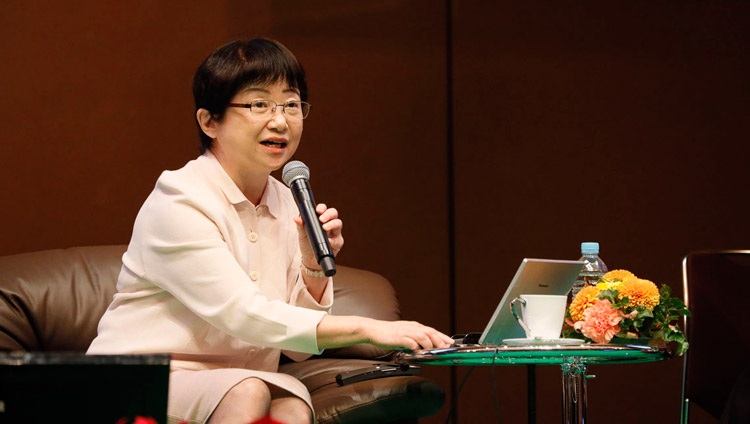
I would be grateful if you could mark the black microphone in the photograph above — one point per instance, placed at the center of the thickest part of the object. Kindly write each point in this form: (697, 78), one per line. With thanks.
(296, 175)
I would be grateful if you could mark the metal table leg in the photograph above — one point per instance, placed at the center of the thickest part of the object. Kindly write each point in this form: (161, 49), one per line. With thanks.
(574, 391)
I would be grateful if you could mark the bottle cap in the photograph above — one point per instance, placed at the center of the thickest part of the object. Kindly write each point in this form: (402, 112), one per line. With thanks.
(590, 247)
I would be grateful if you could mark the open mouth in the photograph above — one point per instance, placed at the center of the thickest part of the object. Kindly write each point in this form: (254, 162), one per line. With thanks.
(274, 144)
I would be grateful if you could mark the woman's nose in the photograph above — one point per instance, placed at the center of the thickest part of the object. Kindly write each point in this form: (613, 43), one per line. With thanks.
(278, 119)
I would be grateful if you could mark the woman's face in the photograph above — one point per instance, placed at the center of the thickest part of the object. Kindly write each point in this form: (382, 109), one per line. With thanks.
(246, 142)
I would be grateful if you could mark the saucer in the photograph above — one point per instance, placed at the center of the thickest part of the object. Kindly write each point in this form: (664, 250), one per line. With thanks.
(543, 342)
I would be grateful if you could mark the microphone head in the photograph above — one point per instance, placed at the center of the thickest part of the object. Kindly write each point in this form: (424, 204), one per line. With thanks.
(294, 170)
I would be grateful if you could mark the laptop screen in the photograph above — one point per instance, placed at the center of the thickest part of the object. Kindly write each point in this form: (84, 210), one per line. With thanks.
(534, 276)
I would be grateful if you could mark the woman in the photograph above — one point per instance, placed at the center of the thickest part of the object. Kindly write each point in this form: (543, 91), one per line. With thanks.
(219, 272)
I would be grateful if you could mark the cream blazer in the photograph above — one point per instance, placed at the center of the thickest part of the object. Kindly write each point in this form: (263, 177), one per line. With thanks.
(211, 278)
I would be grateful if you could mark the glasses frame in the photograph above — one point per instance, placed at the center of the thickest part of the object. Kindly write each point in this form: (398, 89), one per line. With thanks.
(304, 106)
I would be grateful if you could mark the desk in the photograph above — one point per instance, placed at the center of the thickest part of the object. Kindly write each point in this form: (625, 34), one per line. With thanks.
(572, 360)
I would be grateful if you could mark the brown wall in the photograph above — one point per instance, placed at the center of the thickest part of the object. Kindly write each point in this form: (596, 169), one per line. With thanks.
(618, 122)
(455, 137)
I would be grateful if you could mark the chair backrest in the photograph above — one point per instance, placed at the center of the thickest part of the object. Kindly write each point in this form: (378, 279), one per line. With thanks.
(716, 290)
(52, 300)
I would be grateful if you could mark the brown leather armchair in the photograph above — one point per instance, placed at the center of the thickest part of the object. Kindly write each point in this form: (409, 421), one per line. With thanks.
(51, 301)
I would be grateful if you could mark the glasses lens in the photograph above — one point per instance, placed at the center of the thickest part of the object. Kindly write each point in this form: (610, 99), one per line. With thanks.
(293, 108)
(260, 106)
(297, 109)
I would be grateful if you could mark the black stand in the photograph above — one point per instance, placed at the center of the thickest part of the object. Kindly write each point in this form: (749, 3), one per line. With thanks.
(531, 392)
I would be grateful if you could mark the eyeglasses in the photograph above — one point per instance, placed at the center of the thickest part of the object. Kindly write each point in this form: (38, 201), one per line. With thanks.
(294, 109)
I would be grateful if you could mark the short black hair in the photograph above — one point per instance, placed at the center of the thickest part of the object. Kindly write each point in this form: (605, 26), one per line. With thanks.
(240, 63)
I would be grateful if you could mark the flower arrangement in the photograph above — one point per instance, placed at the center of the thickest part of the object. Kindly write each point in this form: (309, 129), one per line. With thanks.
(624, 306)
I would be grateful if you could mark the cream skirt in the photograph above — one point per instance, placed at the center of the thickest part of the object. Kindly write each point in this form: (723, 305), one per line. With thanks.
(193, 395)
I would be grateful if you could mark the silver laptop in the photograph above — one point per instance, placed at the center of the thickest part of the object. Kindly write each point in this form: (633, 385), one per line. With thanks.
(534, 276)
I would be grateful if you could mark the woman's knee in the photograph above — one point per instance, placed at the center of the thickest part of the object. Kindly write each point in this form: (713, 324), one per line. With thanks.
(291, 410)
(249, 400)
(251, 390)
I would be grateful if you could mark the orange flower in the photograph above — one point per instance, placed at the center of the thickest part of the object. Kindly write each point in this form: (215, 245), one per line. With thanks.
(613, 279)
(585, 298)
(640, 293)
(618, 275)
(600, 322)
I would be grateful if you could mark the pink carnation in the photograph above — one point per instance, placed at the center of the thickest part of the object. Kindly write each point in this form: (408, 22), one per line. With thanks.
(600, 322)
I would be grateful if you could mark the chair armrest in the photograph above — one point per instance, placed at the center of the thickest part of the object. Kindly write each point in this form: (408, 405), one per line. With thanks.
(363, 293)
(391, 398)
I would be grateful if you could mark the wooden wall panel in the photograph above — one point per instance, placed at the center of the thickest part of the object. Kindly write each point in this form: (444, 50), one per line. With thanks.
(617, 122)
(97, 103)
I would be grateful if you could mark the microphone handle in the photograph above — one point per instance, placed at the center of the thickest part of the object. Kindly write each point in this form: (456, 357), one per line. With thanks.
(329, 267)
(318, 238)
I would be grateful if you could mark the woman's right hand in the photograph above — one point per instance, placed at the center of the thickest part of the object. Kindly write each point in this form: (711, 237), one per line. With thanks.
(407, 334)
(338, 331)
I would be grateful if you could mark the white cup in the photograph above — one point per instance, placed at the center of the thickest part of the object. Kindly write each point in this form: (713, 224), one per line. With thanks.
(542, 315)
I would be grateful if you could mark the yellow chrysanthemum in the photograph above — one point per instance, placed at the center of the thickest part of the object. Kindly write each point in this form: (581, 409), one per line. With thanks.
(608, 285)
(640, 292)
(585, 298)
(618, 275)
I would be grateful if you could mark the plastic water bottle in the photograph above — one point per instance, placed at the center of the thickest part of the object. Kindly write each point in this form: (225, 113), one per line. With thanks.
(593, 268)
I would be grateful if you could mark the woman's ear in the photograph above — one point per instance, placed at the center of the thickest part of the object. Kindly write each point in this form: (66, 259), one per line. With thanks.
(206, 122)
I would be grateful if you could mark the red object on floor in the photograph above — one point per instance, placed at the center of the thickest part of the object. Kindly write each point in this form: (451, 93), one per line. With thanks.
(267, 420)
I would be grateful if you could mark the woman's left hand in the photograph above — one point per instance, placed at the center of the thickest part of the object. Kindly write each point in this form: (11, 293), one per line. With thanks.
(332, 225)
